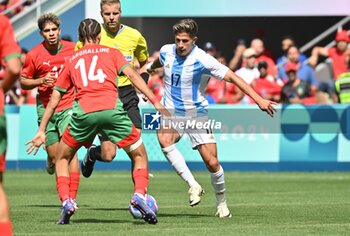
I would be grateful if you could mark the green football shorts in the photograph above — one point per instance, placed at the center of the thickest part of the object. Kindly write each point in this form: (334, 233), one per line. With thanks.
(115, 124)
(56, 125)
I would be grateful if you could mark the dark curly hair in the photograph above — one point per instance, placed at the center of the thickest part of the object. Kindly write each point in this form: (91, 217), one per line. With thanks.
(89, 29)
(49, 17)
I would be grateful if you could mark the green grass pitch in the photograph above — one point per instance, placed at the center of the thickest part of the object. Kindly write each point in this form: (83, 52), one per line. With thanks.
(261, 204)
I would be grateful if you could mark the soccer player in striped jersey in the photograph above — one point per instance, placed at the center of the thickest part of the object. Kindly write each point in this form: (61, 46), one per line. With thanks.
(91, 71)
(41, 69)
(186, 66)
(10, 53)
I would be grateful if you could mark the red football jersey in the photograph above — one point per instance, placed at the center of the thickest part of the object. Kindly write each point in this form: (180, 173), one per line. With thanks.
(8, 48)
(338, 61)
(92, 71)
(40, 61)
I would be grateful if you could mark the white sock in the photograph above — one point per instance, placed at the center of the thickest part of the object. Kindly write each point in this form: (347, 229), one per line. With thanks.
(178, 162)
(218, 182)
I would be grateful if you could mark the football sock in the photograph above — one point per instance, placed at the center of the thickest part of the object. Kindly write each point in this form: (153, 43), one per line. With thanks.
(218, 183)
(62, 185)
(5, 228)
(2, 162)
(140, 178)
(178, 162)
(74, 184)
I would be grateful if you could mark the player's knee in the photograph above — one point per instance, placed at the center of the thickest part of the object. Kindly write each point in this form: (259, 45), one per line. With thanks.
(51, 153)
(108, 155)
(165, 140)
(108, 151)
(164, 143)
(63, 156)
(213, 165)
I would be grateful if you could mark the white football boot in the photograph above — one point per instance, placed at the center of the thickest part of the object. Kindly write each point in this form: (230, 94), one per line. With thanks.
(195, 193)
(223, 211)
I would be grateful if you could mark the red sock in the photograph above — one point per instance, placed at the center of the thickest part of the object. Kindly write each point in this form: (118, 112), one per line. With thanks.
(140, 177)
(5, 228)
(62, 185)
(74, 184)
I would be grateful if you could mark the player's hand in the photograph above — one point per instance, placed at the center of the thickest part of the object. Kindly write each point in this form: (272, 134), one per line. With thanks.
(49, 79)
(36, 142)
(267, 106)
(144, 98)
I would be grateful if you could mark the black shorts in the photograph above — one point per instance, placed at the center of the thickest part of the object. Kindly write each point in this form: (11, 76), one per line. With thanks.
(130, 100)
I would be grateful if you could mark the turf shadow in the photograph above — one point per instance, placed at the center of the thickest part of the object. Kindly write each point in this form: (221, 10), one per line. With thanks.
(44, 206)
(140, 222)
(184, 215)
(99, 221)
(106, 209)
(53, 206)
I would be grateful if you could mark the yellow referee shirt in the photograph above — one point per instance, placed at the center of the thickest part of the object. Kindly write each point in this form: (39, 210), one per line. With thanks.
(129, 41)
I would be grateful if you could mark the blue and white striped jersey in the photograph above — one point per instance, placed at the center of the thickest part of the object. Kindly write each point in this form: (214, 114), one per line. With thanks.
(186, 78)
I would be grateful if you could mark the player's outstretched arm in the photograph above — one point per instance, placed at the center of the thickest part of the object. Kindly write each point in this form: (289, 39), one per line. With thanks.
(264, 104)
(48, 80)
(40, 136)
(140, 84)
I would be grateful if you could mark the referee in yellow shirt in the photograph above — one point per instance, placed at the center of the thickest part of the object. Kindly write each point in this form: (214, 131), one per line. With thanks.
(132, 44)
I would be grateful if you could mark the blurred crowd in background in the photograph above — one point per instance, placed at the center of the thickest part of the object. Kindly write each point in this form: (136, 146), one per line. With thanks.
(286, 78)
(11, 8)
